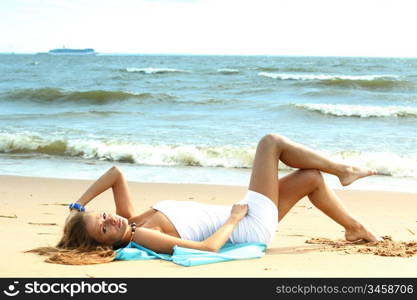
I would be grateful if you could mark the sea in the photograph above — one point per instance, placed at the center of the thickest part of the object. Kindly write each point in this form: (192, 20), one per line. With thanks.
(197, 119)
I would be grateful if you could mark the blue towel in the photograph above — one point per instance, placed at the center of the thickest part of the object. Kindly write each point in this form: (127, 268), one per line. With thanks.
(192, 257)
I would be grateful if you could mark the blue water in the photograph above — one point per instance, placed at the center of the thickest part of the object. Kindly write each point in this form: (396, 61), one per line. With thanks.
(198, 118)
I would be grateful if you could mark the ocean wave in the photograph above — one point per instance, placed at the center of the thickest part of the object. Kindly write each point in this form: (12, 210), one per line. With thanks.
(348, 81)
(66, 114)
(153, 70)
(267, 70)
(359, 111)
(329, 92)
(215, 101)
(228, 71)
(54, 95)
(142, 154)
(377, 83)
(93, 97)
(387, 163)
(294, 76)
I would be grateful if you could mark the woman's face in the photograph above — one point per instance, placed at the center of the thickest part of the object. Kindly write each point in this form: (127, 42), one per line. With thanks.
(105, 228)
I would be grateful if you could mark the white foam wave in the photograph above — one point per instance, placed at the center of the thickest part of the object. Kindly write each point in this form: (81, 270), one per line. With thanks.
(154, 70)
(361, 111)
(145, 154)
(295, 76)
(387, 163)
(228, 71)
(164, 155)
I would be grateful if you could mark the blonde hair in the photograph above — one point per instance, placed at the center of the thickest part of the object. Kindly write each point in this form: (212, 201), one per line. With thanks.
(76, 247)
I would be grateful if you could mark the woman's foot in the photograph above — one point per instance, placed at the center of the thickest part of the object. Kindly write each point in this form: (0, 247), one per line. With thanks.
(359, 232)
(354, 173)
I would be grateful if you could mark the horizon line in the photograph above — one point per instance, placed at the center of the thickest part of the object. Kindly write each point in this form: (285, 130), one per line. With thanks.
(212, 54)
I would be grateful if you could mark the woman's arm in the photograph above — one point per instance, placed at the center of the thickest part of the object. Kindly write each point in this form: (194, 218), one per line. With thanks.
(114, 179)
(164, 243)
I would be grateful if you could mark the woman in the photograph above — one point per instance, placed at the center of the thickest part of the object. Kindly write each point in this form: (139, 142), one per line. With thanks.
(92, 237)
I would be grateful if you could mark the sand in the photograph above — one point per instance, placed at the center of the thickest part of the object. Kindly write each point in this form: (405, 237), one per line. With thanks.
(385, 247)
(307, 243)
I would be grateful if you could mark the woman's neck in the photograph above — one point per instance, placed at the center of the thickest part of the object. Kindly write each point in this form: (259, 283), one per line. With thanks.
(127, 236)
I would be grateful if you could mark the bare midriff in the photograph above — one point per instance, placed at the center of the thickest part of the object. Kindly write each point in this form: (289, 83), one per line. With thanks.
(154, 219)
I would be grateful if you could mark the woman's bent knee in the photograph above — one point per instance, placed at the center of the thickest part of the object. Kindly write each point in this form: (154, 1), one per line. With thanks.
(116, 170)
(313, 178)
(272, 139)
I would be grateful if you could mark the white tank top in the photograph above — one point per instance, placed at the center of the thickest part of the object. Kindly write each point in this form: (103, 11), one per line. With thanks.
(197, 221)
(193, 220)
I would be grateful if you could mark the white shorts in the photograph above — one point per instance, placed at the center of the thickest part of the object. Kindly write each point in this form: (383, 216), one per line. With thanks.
(261, 222)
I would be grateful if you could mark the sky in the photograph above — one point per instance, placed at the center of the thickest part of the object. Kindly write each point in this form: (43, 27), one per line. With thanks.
(221, 27)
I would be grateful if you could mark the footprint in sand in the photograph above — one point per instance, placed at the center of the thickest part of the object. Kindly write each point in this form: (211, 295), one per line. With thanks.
(385, 247)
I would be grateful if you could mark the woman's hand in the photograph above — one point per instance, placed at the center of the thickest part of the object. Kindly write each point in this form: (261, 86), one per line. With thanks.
(239, 211)
(220, 237)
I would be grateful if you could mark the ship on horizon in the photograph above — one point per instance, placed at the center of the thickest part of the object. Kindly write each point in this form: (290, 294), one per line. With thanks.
(68, 51)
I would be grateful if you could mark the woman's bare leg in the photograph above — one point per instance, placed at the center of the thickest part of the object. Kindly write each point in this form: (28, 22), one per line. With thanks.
(301, 183)
(272, 148)
(286, 192)
(299, 156)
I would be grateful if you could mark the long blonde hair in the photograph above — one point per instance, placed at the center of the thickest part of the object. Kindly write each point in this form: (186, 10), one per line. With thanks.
(76, 247)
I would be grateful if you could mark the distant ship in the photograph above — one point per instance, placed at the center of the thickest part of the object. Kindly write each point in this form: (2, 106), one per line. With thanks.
(67, 51)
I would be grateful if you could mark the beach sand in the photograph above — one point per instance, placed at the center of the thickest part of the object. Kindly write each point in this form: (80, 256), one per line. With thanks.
(32, 212)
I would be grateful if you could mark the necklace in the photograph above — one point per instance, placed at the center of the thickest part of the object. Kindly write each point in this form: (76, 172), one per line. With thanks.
(133, 227)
